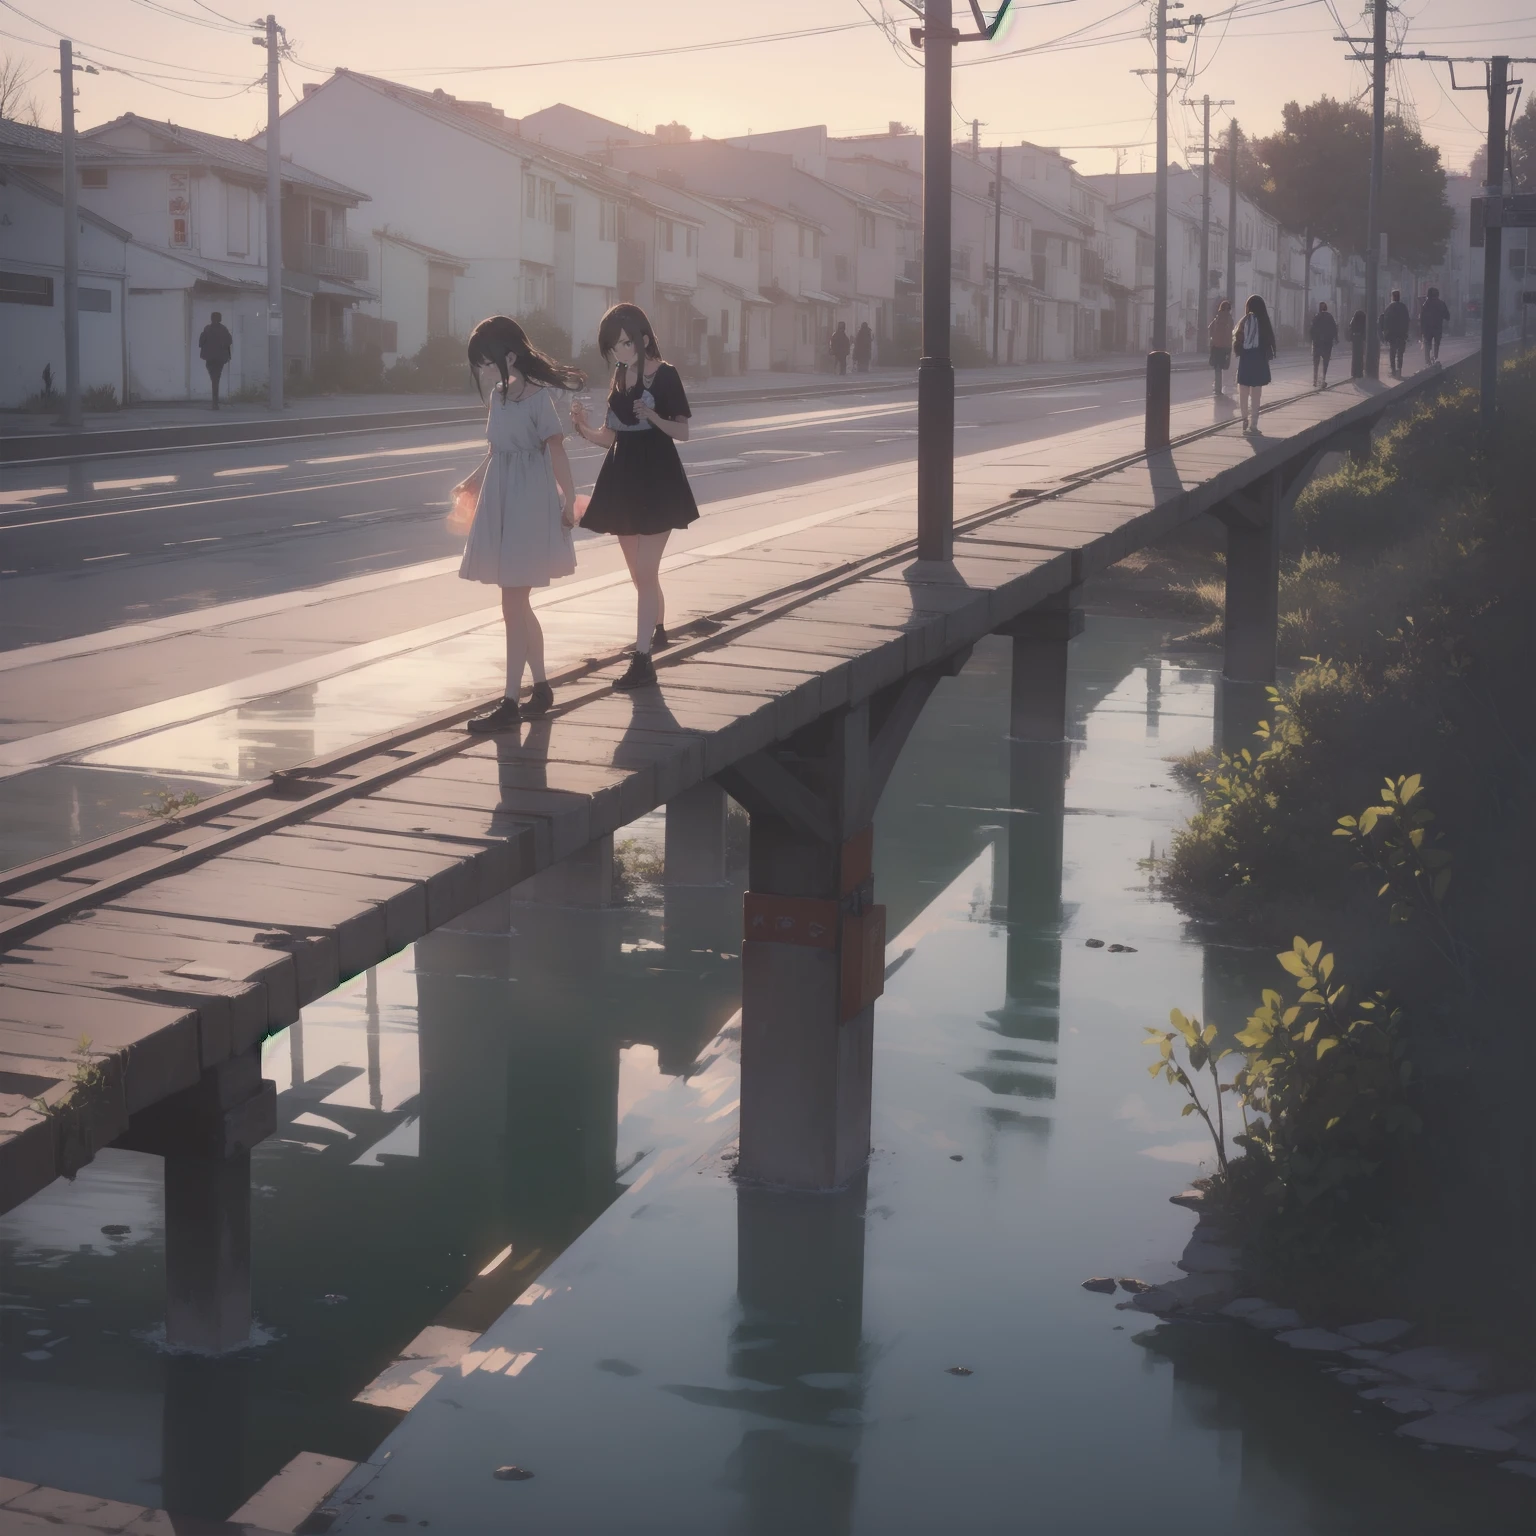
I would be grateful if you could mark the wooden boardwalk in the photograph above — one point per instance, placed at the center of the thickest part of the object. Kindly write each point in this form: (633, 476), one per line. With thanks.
(133, 968)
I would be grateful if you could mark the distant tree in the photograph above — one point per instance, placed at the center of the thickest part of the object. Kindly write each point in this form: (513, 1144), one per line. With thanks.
(1314, 177)
(17, 103)
(1521, 151)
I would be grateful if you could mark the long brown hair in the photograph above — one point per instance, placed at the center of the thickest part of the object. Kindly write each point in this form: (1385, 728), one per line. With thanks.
(501, 340)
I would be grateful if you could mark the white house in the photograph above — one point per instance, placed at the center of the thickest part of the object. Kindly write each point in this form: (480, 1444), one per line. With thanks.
(531, 228)
(32, 290)
(194, 208)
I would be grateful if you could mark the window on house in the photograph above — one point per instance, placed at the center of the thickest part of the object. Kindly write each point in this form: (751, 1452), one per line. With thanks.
(842, 269)
(666, 234)
(692, 240)
(867, 229)
(563, 215)
(237, 210)
(96, 300)
(725, 325)
(805, 326)
(93, 177)
(608, 221)
(539, 199)
(319, 227)
(1020, 235)
(24, 288)
(741, 241)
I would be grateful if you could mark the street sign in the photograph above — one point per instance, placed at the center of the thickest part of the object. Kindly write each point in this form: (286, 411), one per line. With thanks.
(1514, 212)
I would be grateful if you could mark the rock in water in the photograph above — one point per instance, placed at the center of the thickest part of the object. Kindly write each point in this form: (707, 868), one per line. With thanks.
(1135, 1287)
(1100, 1283)
(512, 1474)
(1382, 1332)
(1458, 1430)
(1093, 943)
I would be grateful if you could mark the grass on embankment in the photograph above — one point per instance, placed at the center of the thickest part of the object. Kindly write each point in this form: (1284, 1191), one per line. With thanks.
(1416, 591)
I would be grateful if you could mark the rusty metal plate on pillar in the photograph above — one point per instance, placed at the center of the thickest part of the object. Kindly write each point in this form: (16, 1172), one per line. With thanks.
(804, 920)
(856, 862)
(863, 962)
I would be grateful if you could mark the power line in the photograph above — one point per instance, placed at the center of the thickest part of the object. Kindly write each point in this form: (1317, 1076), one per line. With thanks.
(196, 21)
(194, 77)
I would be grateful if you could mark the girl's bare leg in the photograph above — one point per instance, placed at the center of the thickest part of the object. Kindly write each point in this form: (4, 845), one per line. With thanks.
(1242, 401)
(1253, 395)
(517, 616)
(642, 554)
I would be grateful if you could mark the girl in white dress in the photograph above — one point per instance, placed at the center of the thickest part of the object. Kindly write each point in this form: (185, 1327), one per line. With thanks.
(525, 501)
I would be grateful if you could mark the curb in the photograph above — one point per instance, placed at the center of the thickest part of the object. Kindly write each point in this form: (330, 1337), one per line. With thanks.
(60, 447)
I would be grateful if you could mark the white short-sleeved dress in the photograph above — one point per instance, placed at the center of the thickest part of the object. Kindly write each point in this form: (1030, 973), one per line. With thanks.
(516, 539)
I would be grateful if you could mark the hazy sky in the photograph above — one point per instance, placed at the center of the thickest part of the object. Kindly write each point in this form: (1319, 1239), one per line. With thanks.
(1080, 94)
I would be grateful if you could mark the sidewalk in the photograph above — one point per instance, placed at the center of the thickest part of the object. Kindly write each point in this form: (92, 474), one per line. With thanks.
(25, 437)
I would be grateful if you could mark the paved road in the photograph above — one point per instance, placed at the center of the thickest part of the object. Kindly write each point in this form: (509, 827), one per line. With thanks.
(102, 543)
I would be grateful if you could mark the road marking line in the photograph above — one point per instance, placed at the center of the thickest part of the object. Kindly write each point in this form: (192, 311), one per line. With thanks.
(250, 469)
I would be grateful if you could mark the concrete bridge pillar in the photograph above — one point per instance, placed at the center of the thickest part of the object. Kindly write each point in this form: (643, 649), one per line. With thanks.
(1038, 690)
(205, 1134)
(1253, 574)
(699, 912)
(813, 952)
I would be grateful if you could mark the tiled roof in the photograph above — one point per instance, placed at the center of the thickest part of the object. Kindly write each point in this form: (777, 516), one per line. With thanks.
(235, 154)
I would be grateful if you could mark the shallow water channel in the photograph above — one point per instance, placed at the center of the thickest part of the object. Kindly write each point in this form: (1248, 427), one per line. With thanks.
(544, 1116)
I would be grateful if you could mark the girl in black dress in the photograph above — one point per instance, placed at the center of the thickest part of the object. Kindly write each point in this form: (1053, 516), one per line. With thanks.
(642, 492)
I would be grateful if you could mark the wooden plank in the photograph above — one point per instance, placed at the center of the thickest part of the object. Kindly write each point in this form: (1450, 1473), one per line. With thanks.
(156, 1045)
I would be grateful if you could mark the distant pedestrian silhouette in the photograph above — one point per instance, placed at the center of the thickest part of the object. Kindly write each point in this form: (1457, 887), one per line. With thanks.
(1325, 331)
(1357, 328)
(1221, 341)
(863, 347)
(215, 346)
(1433, 313)
(1394, 331)
(840, 346)
(1254, 343)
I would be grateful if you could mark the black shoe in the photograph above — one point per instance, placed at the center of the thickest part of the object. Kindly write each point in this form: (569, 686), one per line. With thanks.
(505, 717)
(659, 640)
(540, 701)
(641, 674)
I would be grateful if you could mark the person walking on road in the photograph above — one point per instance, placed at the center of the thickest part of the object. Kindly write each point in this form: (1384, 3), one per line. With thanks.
(642, 491)
(215, 346)
(524, 500)
(863, 347)
(1325, 331)
(1433, 314)
(840, 346)
(1394, 331)
(1357, 328)
(1254, 342)
(1221, 341)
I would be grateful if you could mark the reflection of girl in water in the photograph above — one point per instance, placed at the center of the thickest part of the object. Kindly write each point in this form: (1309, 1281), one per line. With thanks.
(642, 492)
(524, 503)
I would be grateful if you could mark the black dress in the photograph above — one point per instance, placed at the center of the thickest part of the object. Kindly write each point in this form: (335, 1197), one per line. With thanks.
(642, 487)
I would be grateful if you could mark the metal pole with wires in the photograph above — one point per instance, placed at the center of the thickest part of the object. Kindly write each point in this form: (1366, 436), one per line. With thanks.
(1232, 149)
(1493, 235)
(997, 253)
(274, 223)
(935, 372)
(72, 416)
(1373, 207)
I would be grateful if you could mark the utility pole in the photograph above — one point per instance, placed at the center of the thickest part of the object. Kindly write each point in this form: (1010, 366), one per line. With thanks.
(935, 372)
(997, 253)
(1373, 212)
(975, 138)
(72, 416)
(1159, 363)
(274, 225)
(1232, 143)
(1205, 223)
(1493, 235)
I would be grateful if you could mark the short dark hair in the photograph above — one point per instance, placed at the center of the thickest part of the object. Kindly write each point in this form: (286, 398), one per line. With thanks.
(1397, 293)
(217, 316)
(631, 321)
(1322, 306)
(1434, 293)
(1260, 312)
